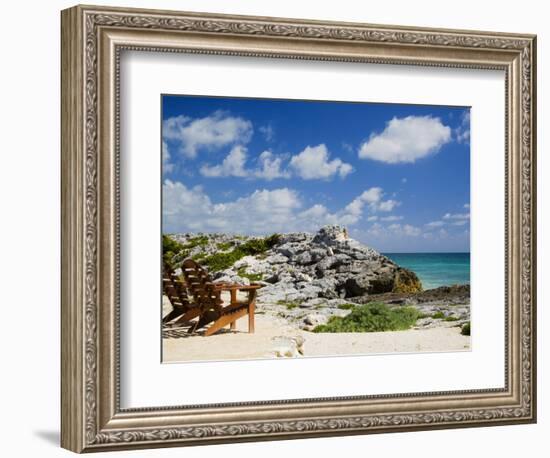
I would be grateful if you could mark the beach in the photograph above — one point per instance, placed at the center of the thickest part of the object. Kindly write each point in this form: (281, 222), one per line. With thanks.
(273, 336)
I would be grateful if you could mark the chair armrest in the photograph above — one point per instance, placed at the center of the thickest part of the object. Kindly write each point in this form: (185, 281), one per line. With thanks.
(229, 287)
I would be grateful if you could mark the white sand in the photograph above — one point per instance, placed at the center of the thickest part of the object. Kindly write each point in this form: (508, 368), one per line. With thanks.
(241, 345)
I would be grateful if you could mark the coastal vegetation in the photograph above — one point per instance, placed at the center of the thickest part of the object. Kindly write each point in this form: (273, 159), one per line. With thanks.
(465, 331)
(254, 246)
(373, 317)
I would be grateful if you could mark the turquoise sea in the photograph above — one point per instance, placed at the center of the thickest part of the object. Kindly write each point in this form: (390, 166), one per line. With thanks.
(436, 269)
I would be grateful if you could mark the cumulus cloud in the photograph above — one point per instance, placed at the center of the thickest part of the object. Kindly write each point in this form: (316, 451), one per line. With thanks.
(391, 218)
(232, 166)
(313, 163)
(191, 209)
(373, 199)
(212, 132)
(433, 224)
(406, 140)
(270, 167)
(268, 132)
(455, 216)
(167, 166)
(263, 211)
(388, 205)
(405, 229)
(462, 132)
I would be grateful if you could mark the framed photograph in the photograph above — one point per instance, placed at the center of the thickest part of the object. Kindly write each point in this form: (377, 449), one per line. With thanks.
(278, 228)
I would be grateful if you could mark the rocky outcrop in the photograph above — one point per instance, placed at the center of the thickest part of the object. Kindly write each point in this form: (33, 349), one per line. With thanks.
(301, 266)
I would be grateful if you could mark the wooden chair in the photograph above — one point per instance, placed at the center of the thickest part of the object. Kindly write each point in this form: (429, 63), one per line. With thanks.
(207, 295)
(174, 288)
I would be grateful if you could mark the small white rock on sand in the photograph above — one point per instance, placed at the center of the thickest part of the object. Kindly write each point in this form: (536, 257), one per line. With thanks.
(270, 331)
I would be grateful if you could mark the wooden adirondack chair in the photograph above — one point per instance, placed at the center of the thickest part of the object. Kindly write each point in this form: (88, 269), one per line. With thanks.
(174, 288)
(207, 295)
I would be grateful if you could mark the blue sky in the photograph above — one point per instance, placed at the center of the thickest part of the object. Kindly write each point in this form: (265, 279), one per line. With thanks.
(397, 176)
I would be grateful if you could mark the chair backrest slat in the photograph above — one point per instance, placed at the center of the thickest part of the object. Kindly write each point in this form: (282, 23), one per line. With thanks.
(174, 288)
(200, 285)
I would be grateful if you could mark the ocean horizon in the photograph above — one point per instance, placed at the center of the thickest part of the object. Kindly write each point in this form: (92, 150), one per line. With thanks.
(436, 269)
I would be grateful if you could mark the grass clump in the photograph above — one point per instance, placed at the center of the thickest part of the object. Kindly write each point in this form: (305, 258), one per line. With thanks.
(450, 318)
(289, 305)
(252, 247)
(346, 306)
(222, 261)
(252, 277)
(200, 240)
(170, 248)
(224, 246)
(373, 317)
(465, 331)
(438, 315)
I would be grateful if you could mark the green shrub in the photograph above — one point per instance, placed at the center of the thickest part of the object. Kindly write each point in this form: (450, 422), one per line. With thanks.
(200, 240)
(222, 261)
(252, 247)
(224, 246)
(170, 248)
(465, 331)
(373, 317)
(346, 306)
(438, 315)
(170, 245)
(450, 318)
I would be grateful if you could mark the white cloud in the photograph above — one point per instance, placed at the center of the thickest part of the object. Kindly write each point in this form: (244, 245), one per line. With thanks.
(460, 222)
(405, 229)
(268, 132)
(462, 132)
(167, 166)
(313, 163)
(373, 198)
(348, 147)
(232, 166)
(261, 212)
(403, 180)
(270, 167)
(191, 209)
(372, 218)
(388, 205)
(391, 218)
(209, 133)
(456, 216)
(436, 224)
(467, 206)
(406, 140)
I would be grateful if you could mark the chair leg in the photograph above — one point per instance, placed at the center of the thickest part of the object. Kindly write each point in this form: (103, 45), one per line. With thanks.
(251, 308)
(188, 316)
(224, 321)
(233, 324)
(173, 314)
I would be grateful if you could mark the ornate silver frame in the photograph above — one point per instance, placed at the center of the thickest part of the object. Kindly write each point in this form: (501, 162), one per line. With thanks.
(92, 39)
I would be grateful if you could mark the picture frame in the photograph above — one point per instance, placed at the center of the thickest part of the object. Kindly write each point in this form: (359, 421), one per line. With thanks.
(93, 39)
